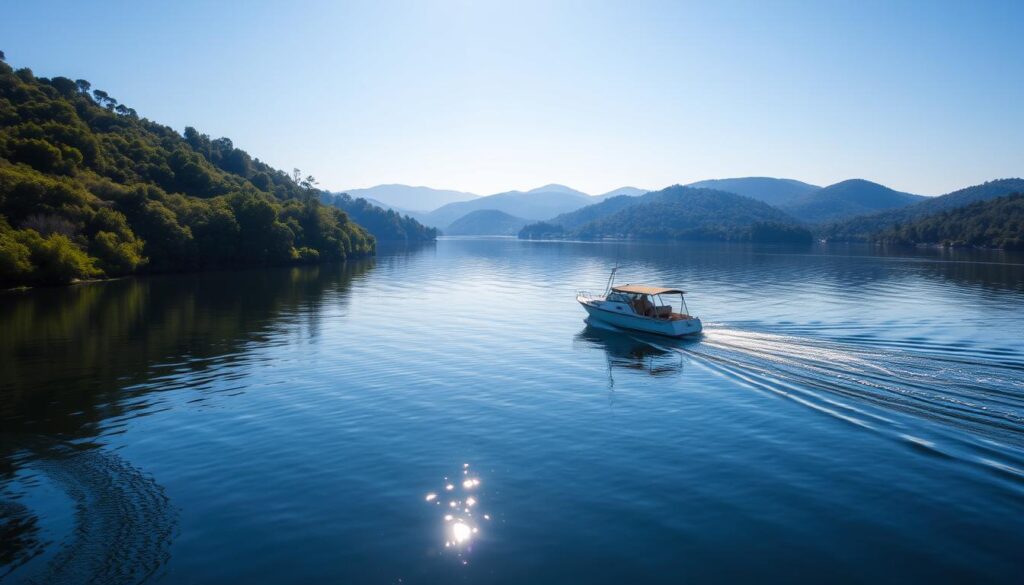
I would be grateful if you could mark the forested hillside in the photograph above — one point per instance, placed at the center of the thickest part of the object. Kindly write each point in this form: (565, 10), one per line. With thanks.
(995, 223)
(846, 199)
(863, 228)
(383, 224)
(581, 217)
(486, 222)
(90, 189)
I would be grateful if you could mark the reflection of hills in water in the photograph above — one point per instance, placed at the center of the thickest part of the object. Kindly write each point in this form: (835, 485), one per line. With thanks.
(72, 357)
(19, 536)
(75, 360)
(629, 351)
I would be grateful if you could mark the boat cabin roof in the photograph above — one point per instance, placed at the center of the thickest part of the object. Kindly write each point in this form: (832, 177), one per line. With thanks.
(643, 289)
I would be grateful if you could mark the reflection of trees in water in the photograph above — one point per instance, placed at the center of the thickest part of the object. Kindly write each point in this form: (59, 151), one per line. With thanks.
(629, 351)
(67, 355)
(75, 357)
(996, 276)
(19, 536)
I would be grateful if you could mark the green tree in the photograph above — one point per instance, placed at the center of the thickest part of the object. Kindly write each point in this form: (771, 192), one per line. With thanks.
(56, 259)
(130, 195)
(15, 258)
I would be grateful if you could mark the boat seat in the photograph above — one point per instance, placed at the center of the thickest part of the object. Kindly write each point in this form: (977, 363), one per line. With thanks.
(664, 311)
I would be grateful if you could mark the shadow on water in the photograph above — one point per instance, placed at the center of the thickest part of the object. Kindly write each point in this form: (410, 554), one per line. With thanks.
(631, 351)
(75, 361)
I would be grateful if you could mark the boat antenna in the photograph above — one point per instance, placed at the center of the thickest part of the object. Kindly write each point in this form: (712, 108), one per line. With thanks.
(611, 277)
(611, 280)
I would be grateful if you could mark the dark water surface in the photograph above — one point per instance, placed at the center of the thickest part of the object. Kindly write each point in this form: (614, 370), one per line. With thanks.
(848, 416)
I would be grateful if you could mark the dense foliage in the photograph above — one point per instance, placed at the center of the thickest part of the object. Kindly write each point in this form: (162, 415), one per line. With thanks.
(863, 228)
(576, 219)
(384, 224)
(90, 189)
(995, 223)
(683, 213)
(542, 230)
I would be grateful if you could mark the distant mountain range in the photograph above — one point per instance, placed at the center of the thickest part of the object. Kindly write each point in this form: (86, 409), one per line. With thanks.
(406, 198)
(628, 191)
(846, 199)
(769, 190)
(849, 210)
(535, 204)
(439, 208)
(677, 213)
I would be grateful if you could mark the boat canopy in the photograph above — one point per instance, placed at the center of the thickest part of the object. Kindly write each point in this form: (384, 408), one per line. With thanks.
(643, 289)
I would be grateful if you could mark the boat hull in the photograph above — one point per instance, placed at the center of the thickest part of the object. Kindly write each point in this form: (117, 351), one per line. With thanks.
(679, 328)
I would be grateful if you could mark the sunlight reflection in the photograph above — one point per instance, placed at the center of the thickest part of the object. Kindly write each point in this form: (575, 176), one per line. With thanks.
(461, 527)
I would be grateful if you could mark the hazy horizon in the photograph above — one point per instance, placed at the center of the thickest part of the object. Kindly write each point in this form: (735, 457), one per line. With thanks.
(485, 98)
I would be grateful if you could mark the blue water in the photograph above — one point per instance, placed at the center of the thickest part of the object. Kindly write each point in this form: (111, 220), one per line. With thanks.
(849, 415)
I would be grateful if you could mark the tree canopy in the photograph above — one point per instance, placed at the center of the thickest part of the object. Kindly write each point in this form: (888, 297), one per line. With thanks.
(89, 189)
(384, 224)
(866, 227)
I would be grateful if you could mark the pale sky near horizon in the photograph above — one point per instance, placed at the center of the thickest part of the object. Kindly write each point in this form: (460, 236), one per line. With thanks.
(484, 96)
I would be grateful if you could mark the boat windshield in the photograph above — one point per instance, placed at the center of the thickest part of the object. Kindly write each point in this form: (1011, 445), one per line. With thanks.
(619, 298)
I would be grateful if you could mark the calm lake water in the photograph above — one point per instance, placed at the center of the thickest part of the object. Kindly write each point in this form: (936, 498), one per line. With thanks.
(849, 415)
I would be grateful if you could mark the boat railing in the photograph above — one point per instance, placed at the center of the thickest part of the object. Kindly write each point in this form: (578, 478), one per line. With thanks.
(586, 295)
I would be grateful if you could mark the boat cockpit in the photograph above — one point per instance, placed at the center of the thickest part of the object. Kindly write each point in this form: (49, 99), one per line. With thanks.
(647, 301)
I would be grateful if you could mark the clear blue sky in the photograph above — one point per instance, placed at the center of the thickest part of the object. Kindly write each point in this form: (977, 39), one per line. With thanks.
(486, 96)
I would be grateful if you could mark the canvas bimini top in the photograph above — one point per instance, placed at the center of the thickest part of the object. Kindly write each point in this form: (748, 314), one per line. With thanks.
(643, 289)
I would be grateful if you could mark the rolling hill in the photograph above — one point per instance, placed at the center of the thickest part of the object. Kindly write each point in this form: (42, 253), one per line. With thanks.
(767, 189)
(404, 198)
(681, 213)
(862, 227)
(628, 191)
(847, 199)
(486, 222)
(557, 188)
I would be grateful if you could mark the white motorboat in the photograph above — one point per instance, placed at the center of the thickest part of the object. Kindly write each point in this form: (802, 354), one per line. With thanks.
(640, 307)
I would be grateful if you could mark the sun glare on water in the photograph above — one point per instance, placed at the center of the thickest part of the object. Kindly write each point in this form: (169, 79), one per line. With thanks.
(460, 516)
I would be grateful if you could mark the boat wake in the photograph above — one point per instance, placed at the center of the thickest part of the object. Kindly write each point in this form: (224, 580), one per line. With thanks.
(122, 527)
(976, 413)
